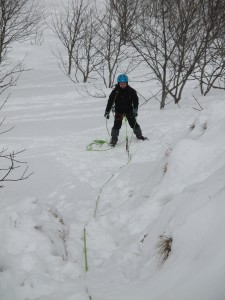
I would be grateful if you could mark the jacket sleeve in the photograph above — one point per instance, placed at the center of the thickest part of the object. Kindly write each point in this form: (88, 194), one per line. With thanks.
(111, 100)
(135, 99)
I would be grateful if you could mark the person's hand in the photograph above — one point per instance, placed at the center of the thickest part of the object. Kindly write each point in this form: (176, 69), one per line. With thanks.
(106, 115)
(135, 112)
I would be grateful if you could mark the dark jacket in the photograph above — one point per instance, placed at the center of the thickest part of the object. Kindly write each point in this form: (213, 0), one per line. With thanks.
(125, 100)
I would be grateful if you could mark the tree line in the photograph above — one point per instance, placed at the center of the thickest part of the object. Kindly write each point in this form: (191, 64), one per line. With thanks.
(177, 40)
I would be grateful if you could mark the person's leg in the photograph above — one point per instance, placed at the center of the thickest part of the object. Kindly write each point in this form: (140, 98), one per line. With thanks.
(116, 127)
(134, 125)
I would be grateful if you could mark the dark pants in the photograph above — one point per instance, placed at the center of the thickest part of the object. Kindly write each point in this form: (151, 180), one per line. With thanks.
(131, 120)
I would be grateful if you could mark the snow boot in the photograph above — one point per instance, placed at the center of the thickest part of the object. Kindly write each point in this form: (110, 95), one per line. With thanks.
(141, 137)
(113, 141)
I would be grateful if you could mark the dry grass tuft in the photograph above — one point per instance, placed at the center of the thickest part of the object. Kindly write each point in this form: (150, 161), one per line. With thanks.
(167, 151)
(164, 247)
(204, 126)
(165, 167)
(192, 126)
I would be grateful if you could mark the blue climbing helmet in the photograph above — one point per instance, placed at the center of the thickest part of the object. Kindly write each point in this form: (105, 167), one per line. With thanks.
(122, 78)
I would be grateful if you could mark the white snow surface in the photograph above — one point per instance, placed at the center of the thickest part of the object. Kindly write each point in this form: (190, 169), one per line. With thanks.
(173, 185)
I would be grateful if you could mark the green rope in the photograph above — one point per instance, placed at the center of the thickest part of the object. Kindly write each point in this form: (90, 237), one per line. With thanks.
(86, 259)
(107, 127)
(89, 297)
(85, 251)
(132, 133)
(104, 184)
(128, 161)
(99, 194)
(127, 141)
(98, 143)
(90, 146)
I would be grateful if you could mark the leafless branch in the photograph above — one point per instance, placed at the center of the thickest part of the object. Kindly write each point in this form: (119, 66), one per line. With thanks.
(12, 163)
(197, 102)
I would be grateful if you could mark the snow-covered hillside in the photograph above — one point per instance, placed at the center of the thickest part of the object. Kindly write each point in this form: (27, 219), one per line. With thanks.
(171, 186)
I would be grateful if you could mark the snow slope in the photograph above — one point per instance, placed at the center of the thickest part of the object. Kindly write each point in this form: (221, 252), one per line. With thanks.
(124, 205)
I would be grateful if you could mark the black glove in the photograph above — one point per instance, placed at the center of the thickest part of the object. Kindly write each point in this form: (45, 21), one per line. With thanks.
(135, 112)
(106, 115)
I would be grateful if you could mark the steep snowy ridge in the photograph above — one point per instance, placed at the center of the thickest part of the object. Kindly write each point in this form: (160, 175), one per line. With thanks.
(187, 203)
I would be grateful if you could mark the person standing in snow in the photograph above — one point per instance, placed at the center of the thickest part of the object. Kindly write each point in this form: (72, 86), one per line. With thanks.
(126, 103)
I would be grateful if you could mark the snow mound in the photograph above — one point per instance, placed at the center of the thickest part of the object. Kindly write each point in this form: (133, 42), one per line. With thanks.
(186, 204)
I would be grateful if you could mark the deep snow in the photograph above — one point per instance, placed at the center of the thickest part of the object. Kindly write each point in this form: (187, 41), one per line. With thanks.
(42, 219)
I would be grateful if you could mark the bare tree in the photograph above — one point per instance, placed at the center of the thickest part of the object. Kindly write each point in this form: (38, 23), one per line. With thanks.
(110, 47)
(86, 55)
(67, 23)
(92, 41)
(18, 21)
(125, 13)
(76, 26)
(9, 163)
(9, 75)
(171, 37)
(210, 70)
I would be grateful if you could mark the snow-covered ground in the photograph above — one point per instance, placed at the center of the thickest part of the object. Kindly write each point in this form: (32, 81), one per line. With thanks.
(173, 186)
